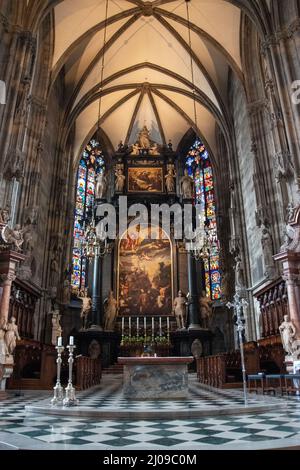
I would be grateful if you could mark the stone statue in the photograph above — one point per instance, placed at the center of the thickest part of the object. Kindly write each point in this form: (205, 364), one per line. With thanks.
(54, 271)
(13, 237)
(11, 335)
(267, 247)
(110, 308)
(144, 138)
(94, 349)
(56, 327)
(179, 310)
(85, 308)
(170, 180)
(3, 347)
(101, 186)
(135, 149)
(120, 180)
(205, 307)
(187, 186)
(287, 332)
(154, 150)
(239, 273)
(66, 294)
(4, 216)
(121, 147)
(197, 348)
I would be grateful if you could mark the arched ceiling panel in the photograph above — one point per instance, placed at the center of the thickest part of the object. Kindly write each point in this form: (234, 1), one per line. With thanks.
(218, 18)
(117, 124)
(175, 126)
(83, 55)
(74, 17)
(147, 41)
(88, 118)
(205, 120)
(212, 58)
(146, 116)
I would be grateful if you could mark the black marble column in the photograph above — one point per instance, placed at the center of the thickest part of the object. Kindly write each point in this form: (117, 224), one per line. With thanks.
(193, 311)
(96, 293)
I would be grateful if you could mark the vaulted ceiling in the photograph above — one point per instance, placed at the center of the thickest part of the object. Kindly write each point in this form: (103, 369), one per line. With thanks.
(147, 75)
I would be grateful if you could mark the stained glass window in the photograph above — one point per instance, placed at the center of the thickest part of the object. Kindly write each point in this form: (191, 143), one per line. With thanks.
(91, 163)
(200, 168)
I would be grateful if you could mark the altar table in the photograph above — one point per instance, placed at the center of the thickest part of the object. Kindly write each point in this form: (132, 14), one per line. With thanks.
(153, 378)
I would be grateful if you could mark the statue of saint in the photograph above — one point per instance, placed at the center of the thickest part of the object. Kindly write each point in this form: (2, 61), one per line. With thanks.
(54, 271)
(179, 310)
(205, 307)
(239, 273)
(11, 335)
(144, 138)
(85, 308)
(66, 292)
(56, 327)
(13, 237)
(4, 216)
(101, 186)
(187, 186)
(110, 308)
(287, 332)
(3, 347)
(267, 247)
(120, 180)
(170, 180)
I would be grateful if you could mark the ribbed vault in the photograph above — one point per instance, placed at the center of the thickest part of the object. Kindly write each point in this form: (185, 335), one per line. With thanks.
(147, 73)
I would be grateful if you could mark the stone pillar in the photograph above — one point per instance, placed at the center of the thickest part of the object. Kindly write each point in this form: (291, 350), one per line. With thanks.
(193, 312)
(7, 280)
(96, 293)
(291, 274)
(9, 261)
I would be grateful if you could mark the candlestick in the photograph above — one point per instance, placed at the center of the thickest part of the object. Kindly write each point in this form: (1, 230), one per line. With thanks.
(58, 389)
(70, 399)
(160, 330)
(137, 326)
(129, 326)
(71, 340)
(168, 329)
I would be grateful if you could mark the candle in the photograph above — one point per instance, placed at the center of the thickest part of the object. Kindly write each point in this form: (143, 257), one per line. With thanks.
(59, 341)
(129, 325)
(160, 331)
(71, 340)
(123, 319)
(168, 324)
(145, 326)
(137, 326)
(152, 326)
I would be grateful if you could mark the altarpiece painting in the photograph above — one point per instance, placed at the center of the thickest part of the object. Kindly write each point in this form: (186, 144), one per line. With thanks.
(145, 274)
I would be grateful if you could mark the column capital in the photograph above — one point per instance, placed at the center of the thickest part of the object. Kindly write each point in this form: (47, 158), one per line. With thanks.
(291, 278)
(7, 277)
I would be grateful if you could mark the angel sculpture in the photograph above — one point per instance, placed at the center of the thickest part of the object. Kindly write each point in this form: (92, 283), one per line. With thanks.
(13, 237)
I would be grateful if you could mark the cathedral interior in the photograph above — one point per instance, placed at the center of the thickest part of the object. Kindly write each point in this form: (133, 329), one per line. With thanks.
(149, 224)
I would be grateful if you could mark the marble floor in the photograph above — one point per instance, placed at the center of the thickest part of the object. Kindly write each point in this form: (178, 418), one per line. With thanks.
(279, 427)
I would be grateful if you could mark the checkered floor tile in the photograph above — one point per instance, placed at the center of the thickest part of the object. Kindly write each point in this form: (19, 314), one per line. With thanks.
(28, 431)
